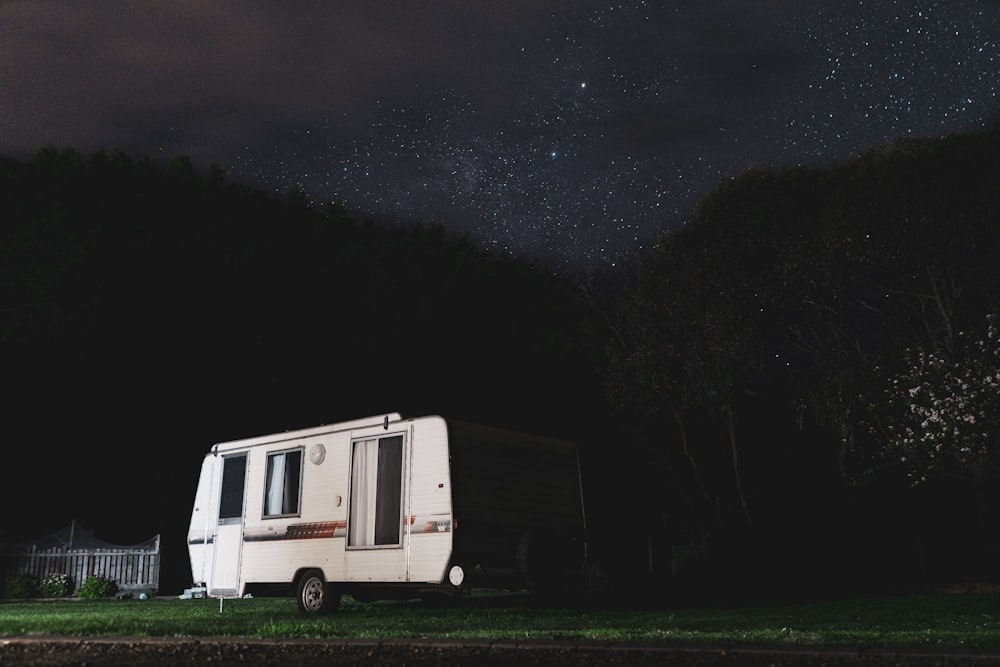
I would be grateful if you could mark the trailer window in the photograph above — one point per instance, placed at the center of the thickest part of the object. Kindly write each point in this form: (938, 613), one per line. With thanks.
(375, 517)
(284, 475)
(233, 475)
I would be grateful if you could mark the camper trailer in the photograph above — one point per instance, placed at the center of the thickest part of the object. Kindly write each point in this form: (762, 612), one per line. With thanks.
(386, 507)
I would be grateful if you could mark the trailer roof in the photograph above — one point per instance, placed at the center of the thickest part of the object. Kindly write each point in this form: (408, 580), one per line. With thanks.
(373, 420)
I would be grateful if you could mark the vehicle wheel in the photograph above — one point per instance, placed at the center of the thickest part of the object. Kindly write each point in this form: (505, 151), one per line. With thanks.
(538, 560)
(314, 595)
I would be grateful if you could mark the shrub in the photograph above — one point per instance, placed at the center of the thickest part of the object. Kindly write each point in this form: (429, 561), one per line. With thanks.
(56, 585)
(97, 586)
(21, 586)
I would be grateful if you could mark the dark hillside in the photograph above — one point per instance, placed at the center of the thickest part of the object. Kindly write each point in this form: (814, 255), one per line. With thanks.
(148, 315)
(767, 355)
(744, 394)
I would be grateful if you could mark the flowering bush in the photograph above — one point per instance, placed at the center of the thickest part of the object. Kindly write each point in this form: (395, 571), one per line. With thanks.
(97, 586)
(944, 416)
(21, 586)
(55, 585)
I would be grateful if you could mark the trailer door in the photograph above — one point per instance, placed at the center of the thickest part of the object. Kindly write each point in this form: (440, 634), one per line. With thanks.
(229, 531)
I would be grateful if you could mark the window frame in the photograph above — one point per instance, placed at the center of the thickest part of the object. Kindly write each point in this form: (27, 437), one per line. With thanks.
(284, 479)
(352, 500)
(232, 500)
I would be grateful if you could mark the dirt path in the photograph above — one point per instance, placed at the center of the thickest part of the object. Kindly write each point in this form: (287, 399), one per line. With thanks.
(164, 652)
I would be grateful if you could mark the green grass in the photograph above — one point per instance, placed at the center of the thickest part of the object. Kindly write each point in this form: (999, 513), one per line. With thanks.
(917, 621)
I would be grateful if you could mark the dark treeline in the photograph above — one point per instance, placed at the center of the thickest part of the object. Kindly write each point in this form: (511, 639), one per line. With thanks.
(149, 313)
(811, 365)
(741, 393)
(266, 313)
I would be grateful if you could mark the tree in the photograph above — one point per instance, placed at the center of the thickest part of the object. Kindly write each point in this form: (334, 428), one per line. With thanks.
(685, 345)
(942, 416)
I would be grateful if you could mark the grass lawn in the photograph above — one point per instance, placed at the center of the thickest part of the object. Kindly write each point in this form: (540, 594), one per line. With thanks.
(916, 621)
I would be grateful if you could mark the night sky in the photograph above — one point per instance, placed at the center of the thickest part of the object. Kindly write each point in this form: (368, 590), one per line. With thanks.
(568, 131)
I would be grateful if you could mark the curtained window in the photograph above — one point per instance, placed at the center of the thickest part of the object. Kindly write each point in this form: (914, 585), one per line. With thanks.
(284, 476)
(375, 517)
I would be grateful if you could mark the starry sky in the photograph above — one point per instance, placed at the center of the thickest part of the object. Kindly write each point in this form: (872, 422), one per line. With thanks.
(570, 131)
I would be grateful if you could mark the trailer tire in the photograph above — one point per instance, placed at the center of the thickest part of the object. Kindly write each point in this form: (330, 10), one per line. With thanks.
(538, 561)
(314, 595)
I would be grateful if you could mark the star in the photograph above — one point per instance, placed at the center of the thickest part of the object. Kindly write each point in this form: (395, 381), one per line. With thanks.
(466, 122)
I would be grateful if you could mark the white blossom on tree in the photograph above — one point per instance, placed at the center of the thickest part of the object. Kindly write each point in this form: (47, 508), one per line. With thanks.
(941, 416)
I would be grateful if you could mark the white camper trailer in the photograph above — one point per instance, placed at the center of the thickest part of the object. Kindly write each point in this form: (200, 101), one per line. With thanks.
(386, 507)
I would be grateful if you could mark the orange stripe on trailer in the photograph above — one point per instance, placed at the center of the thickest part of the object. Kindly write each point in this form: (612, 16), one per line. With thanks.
(310, 531)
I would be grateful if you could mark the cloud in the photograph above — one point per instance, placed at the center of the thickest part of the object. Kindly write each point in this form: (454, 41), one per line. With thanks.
(83, 72)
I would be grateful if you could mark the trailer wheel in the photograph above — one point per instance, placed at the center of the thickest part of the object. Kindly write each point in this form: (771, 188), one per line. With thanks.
(538, 561)
(314, 595)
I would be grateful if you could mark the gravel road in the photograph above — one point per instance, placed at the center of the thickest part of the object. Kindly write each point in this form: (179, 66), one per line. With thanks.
(163, 652)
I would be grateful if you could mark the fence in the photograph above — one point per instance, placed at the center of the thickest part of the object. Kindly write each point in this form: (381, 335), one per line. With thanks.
(134, 569)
